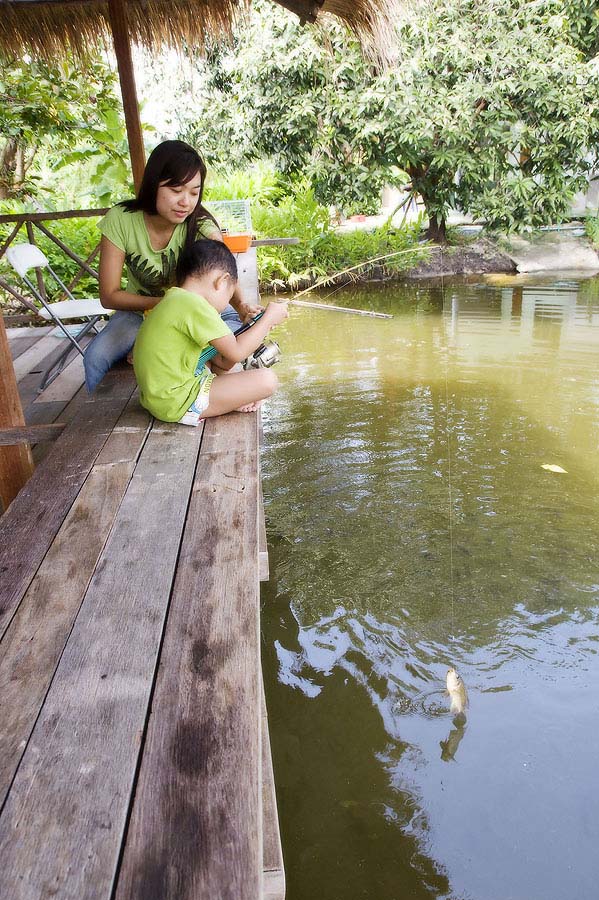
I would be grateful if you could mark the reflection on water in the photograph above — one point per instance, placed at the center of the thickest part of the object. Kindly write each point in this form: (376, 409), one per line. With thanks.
(449, 747)
(412, 527)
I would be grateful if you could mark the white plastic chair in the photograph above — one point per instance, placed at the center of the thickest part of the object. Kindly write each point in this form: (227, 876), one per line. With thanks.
(22, 258)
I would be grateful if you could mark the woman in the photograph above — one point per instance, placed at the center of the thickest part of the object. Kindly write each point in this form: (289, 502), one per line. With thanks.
(145, 237)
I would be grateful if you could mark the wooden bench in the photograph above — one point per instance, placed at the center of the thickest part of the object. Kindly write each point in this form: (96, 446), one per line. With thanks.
(134, 751)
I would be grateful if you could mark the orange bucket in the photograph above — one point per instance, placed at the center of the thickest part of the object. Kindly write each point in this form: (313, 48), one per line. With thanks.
(237, 243)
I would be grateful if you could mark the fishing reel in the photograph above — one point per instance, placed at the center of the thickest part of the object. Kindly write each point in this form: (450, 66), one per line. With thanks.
(265, 356)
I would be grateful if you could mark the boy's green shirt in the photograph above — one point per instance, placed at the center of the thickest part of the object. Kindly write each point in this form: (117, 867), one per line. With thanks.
(167, 348)
(149, 272)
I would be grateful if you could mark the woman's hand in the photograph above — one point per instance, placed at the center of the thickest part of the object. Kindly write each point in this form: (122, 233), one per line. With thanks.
(249, 312)
(245, 311)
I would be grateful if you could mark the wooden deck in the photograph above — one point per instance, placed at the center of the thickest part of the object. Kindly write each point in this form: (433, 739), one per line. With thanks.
(134, 750)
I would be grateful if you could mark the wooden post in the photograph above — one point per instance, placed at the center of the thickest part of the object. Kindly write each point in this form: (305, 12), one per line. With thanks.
(122, 46)
(16, 464)
(40, 278)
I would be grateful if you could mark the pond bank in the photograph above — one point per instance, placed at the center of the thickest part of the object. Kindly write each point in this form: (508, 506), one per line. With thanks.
(545, 251)
(478, 257)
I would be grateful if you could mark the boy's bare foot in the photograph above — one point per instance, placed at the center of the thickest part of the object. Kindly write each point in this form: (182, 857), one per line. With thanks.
(250, 407)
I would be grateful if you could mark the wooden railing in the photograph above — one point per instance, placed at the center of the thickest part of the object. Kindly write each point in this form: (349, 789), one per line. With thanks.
(32, 222)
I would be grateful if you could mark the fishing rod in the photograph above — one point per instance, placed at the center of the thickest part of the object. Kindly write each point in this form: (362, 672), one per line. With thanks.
(328, 279)
(268, 353)
(345, 309)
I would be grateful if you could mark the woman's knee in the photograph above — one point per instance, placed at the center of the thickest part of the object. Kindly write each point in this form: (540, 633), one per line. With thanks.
(113, 343)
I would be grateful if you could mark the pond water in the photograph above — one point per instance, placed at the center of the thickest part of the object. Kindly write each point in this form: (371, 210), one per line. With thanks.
(412, 527)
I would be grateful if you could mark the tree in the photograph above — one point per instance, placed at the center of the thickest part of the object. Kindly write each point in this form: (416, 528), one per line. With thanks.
(48, 109)
(491, 108)
(499, 111)
(583, 25)
(302, 97)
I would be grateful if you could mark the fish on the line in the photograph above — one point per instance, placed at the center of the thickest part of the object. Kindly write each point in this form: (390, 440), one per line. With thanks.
(457, 692)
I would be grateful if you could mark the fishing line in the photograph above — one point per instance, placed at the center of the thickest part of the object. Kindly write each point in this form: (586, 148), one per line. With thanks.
(449, 486)
(337, 289)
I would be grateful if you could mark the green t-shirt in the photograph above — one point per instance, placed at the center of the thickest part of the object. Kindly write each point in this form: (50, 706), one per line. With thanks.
(149, 272)
(167, 348)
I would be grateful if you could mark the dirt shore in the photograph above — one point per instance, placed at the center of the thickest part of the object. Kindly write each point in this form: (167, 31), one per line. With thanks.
(477, 258)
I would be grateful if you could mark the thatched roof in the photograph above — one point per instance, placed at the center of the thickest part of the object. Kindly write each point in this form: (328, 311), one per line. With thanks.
(46, 27)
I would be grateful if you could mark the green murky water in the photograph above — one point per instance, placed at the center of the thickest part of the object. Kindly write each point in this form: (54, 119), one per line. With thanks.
(411, 526)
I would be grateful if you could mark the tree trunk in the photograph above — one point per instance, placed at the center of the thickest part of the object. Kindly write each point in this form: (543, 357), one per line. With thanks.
(8, 160)
(424, 184)
(436, 231)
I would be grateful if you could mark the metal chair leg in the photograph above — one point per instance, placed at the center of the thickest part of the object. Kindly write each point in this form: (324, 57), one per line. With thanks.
(57, 366)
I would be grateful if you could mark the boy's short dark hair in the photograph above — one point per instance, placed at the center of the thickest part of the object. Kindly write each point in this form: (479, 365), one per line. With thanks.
(204, 256)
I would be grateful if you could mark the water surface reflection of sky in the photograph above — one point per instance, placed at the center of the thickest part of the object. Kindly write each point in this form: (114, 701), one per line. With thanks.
(411, 527)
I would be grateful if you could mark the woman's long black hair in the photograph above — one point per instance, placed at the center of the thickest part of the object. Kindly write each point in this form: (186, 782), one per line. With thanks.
(172, 163)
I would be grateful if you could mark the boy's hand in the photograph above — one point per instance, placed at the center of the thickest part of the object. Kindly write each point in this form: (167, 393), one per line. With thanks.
(219, 365)
(276, 312)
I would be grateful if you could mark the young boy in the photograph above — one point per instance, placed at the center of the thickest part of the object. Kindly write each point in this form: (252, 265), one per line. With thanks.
(184, 323)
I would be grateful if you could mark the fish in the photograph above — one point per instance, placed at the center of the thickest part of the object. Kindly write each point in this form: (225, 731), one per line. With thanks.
(551, 467)
(457, 692)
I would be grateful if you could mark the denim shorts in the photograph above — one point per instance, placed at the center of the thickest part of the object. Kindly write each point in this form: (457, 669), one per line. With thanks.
(194, 414)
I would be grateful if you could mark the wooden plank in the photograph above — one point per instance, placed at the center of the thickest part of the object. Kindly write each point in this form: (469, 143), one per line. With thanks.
(34, 330)
(65, 385)
(262, 536)
(26, 434)
(52, 216)
(274, 871)
(262, 539)
(18, 345)
(196, 824)
(35, 639)
(39, 510)
(32, 359)
(133, 419)
(63, 821)
(61, 391)
(41, 407)
(47, 414)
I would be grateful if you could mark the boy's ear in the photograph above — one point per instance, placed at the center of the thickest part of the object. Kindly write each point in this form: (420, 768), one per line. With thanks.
(220, 278)
(224, 280)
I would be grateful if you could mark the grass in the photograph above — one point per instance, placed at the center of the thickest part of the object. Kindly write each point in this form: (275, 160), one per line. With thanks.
(591, 227)
(283, 210)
